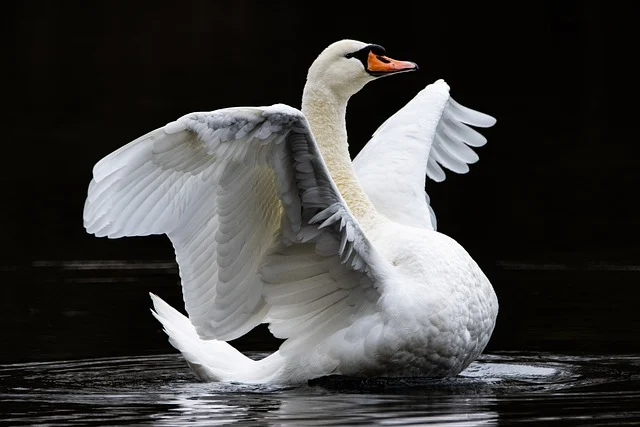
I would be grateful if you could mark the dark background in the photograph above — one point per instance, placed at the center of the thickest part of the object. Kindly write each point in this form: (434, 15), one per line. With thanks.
(548, 211)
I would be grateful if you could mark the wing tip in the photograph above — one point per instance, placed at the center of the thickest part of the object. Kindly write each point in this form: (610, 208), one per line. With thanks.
(470, 116)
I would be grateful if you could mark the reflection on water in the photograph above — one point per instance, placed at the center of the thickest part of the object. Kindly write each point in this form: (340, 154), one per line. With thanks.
(160, 390)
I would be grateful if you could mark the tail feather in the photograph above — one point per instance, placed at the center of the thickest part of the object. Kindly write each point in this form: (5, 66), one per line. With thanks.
(210, 360)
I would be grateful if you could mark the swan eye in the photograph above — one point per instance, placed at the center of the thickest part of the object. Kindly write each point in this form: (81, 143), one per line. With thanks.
(363, 53)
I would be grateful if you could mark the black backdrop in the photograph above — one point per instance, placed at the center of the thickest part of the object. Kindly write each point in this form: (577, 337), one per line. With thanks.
(555, 183)
(557, 176)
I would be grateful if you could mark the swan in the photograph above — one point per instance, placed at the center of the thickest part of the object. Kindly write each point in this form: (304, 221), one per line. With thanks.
(273, 223)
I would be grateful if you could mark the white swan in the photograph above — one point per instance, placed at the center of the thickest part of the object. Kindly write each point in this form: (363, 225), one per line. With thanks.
(270, 224)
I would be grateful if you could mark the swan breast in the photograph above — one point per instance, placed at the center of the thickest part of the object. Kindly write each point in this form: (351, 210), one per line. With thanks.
(440, 308)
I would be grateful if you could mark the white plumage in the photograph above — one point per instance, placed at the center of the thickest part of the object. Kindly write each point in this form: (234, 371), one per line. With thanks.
(272, 223)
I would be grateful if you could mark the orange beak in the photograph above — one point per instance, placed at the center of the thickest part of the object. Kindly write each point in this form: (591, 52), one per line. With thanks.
(379, 65)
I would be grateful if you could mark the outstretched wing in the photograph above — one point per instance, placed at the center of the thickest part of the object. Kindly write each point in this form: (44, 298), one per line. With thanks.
(431, 132)
(260, 230)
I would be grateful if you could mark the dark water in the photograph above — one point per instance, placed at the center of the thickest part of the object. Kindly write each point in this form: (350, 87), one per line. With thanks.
(80, 347)
(499, 389)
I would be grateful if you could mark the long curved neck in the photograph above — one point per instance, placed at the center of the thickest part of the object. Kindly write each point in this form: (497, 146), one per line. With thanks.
(326, 113)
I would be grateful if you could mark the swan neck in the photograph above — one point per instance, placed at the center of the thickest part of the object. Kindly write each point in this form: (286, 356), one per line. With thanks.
(326, 111)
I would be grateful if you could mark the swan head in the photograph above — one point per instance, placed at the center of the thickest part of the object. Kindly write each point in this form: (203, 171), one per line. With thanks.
(347, 65)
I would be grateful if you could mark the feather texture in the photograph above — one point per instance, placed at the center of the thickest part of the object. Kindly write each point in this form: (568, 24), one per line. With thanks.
(268, 228)
(218, 184)
(428, 134)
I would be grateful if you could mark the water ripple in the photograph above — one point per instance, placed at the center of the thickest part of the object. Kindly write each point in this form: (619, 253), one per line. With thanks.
(160, 390)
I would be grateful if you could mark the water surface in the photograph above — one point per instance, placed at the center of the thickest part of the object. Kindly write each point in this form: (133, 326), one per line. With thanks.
(498, 389)
(80, 347)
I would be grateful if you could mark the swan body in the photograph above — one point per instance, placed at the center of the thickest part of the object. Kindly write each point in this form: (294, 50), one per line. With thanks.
(273, 223)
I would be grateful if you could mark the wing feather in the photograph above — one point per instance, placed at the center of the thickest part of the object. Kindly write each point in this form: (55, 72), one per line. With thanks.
(430, 133)
(241, 194)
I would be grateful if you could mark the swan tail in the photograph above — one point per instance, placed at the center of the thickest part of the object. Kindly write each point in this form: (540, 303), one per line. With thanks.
(210, 360)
